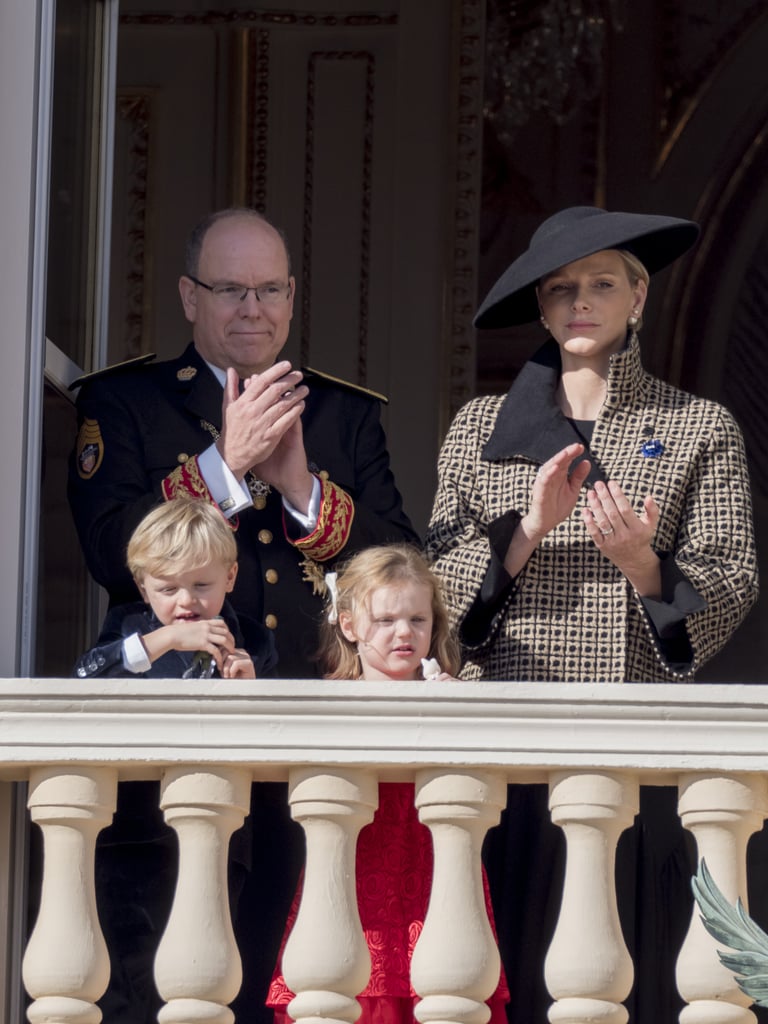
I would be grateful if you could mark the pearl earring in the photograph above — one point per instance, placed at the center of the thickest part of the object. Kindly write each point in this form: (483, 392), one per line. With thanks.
(633, 320)
(544, 323)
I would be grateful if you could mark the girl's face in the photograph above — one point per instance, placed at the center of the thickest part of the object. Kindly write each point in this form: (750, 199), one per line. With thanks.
(394, 632)
(586, 305)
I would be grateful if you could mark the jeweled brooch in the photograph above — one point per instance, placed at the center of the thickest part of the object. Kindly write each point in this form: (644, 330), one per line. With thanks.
(652, 449)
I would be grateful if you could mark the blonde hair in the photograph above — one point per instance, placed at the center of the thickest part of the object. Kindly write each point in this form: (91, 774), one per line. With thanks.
(636, 271)
(179, 535)
(371, 569)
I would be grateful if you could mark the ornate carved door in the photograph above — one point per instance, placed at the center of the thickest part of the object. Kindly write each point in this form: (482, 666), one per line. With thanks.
(356, 128)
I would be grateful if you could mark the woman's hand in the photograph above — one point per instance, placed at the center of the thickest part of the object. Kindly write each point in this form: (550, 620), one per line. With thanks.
(553, 498)
(555, 492)
(624, 536)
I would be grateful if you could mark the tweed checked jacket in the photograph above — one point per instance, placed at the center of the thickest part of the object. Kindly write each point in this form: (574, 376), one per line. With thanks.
(570, 614)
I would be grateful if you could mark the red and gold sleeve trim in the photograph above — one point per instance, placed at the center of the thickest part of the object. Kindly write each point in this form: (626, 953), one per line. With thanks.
(337, 510)
(187, 481)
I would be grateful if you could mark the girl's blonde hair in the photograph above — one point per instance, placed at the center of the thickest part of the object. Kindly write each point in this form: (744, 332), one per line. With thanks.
(179, 535)
(383, 566)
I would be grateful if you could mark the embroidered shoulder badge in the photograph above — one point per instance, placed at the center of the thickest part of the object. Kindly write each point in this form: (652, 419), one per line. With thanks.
(90, 448)
(186, 373)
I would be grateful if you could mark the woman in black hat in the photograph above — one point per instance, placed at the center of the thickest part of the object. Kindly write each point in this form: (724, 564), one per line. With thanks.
(594, 523)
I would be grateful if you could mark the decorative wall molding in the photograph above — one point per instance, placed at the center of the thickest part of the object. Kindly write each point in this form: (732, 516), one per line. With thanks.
(366, 173)
(234, 16)
(257, 122)
(462, 271)
(134, 108)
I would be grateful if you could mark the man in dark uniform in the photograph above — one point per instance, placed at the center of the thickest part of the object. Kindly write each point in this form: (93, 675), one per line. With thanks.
(298, 463)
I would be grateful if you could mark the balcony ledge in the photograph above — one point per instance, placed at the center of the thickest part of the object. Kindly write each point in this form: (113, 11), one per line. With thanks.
(269, 725)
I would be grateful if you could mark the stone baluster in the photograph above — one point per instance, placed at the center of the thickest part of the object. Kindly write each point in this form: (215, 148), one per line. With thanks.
(456, 963)
(722, 812)
(198, 970)
(66, 963)
(326, 961)
(588, 969)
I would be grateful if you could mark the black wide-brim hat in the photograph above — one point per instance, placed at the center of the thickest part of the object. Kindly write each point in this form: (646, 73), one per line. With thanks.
(571, 235)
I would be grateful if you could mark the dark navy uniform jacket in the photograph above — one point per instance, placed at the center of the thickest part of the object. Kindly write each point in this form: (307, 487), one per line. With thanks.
(105, 659)
(140, 423)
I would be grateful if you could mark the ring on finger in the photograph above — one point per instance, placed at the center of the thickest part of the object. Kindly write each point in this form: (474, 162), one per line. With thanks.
(605, 533)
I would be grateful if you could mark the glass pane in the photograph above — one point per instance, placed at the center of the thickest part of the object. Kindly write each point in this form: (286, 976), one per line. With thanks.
(74, 177)
(65, 627)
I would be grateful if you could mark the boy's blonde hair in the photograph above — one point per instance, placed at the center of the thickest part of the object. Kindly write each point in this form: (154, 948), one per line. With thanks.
(179, 535)
(383, 566)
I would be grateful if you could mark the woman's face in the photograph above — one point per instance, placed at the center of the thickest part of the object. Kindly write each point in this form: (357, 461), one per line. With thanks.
(585, 305)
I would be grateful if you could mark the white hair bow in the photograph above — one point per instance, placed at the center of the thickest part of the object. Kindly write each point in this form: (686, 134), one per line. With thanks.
(333, 593)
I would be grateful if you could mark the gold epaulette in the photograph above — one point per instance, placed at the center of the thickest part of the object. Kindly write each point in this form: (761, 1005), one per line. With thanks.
(346, 384)
(114, 368)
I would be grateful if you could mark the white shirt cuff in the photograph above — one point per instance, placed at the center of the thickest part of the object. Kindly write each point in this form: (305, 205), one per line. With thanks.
(309, 519)
(135, 657)
(229, 493)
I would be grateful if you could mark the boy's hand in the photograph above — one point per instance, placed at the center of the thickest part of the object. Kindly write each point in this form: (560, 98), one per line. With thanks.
(237, 664)
(210, 635)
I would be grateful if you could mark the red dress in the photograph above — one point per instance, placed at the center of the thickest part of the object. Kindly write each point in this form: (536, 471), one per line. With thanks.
(394, 875)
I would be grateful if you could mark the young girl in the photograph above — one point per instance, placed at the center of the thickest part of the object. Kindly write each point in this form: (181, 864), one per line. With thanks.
(387, 621)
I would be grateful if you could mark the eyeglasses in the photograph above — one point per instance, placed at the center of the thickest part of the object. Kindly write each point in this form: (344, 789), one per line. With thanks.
(234, 294)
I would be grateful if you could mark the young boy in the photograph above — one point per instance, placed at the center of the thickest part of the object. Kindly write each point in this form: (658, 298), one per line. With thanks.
(183, 557)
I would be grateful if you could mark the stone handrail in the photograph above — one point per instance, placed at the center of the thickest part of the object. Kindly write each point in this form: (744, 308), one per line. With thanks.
(461, 743)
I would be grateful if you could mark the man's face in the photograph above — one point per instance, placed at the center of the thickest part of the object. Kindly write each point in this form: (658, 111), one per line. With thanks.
(249, 334)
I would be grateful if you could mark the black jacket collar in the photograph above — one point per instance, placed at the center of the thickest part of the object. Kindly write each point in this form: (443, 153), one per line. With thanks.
(530, 424)
(198, 389)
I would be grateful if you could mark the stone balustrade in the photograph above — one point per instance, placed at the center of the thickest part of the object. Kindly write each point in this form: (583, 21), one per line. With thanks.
(461, 744)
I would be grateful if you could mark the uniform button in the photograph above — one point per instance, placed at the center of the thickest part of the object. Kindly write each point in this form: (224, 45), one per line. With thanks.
(271, 576)
(323, 474)
(259, 501)
(265, 536)
(182, 457)
(271, 622)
